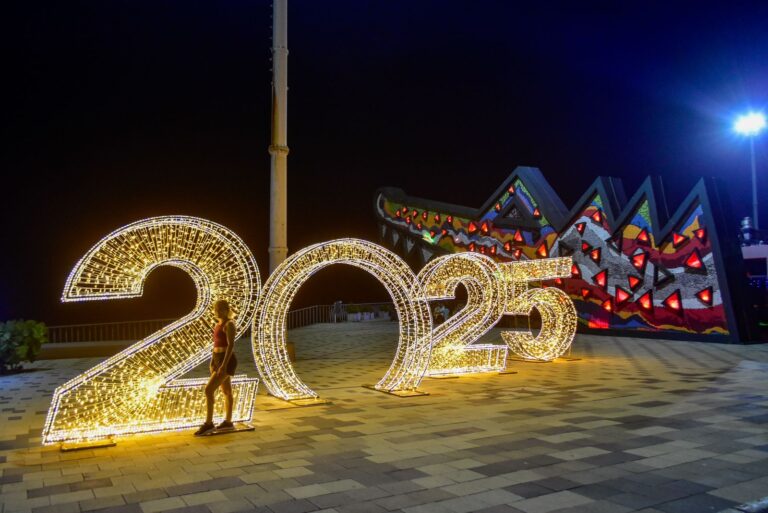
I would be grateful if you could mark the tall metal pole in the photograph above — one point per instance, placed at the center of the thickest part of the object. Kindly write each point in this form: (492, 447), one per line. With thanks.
(754, 183)
(278, 205)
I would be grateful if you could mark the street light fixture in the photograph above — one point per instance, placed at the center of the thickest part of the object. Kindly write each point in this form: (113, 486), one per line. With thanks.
(750, 125)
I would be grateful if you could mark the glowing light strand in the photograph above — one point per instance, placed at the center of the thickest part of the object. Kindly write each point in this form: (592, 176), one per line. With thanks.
(138, 389)
(453, 351)
(268, 334)
(558, 314)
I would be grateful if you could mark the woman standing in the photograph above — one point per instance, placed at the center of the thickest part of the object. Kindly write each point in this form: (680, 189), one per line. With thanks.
(223, 365)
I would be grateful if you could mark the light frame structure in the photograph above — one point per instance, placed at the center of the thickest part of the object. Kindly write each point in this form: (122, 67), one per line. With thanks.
(453, 348)
(139, 390)
(268, 335)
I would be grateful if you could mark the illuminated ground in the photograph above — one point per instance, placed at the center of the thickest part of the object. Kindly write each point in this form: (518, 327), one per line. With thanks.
(635, 425)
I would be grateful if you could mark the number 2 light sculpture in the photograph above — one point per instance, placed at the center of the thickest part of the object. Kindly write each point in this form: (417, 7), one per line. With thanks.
(140, 390)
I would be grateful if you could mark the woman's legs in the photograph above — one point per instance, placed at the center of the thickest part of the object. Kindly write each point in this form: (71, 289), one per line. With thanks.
(210, 389)
(226, 387)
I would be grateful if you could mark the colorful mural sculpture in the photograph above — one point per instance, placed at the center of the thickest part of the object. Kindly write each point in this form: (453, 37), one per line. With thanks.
(636, 270)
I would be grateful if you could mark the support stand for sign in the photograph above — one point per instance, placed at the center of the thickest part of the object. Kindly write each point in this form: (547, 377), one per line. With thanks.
(239, 427)
(398, 393)
(271, 403)
(92, 444)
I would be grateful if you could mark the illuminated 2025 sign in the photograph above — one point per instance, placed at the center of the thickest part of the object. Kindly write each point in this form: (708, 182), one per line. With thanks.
(141, 389)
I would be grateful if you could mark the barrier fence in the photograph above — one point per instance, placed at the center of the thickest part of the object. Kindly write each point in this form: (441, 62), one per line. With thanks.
(137, 330)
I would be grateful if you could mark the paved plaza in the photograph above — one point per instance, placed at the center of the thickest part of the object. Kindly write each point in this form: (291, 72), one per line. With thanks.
(625, 425)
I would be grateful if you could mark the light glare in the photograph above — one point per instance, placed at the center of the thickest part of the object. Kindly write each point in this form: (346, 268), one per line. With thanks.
(750, 124)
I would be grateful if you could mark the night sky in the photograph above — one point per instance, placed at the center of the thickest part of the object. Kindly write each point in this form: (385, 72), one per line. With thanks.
(115, 111)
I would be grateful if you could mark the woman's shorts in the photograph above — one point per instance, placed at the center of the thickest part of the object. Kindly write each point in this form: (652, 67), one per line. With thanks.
(218, 358)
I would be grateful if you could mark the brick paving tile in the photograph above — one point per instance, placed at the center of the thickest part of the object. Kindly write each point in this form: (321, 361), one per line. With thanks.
(634, 425)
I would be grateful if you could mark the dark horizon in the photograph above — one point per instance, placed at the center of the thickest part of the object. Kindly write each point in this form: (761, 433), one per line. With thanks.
(123, 111)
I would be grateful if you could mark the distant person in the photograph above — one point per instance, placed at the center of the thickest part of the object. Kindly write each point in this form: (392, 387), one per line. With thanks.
(223, 365)
(337, 310)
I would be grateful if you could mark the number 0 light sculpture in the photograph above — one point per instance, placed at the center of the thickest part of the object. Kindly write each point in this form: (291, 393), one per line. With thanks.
(137, 390)
(412, 356)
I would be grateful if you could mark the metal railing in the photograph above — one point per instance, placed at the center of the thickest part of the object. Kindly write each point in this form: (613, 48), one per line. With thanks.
(106, 331)
(136, 330)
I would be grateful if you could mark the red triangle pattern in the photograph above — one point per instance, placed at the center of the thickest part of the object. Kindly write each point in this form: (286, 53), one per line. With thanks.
(585, 293)
(674, 302)
(622, 295)
(705, 296)
(575, 271)
(601, 279)
(507, 246)
(634, 282)
(485, 227)
(607, 305)
(536, 213)
(701, 234)
(694, 260)
(472, 228)
(597, 216)
(646, 301)
(678, 240)
(639, 260)
(643, 236)
(543, 252)
(595, 255)
(580, 228)
(518, 236)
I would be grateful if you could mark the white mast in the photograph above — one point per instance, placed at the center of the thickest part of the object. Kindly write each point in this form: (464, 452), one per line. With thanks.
(278, 206)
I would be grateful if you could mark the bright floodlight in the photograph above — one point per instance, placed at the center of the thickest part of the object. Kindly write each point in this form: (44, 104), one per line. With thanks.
(750, 124)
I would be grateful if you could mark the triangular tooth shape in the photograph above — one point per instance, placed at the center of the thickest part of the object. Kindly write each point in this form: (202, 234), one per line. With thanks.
(595, 255)
(646, 301)
(634, 282)
(622, 296)
(640, 260)
(543, 252)
(661, 275)
(705, 296)
(597, 216)
(564, 249)
(643, 237)
(408, 245)
(601, 279)
(694, 261)
(678, 240)
(674, 302)
(575, 271)
(426, 255)
(580, 227)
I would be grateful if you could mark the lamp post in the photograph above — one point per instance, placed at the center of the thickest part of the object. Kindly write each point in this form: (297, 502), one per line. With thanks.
(750, 125)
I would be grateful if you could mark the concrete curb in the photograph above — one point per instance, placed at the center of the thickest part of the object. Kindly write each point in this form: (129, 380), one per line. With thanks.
(758, 506)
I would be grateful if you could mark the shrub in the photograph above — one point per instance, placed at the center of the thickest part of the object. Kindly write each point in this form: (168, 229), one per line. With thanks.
(20, 341)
